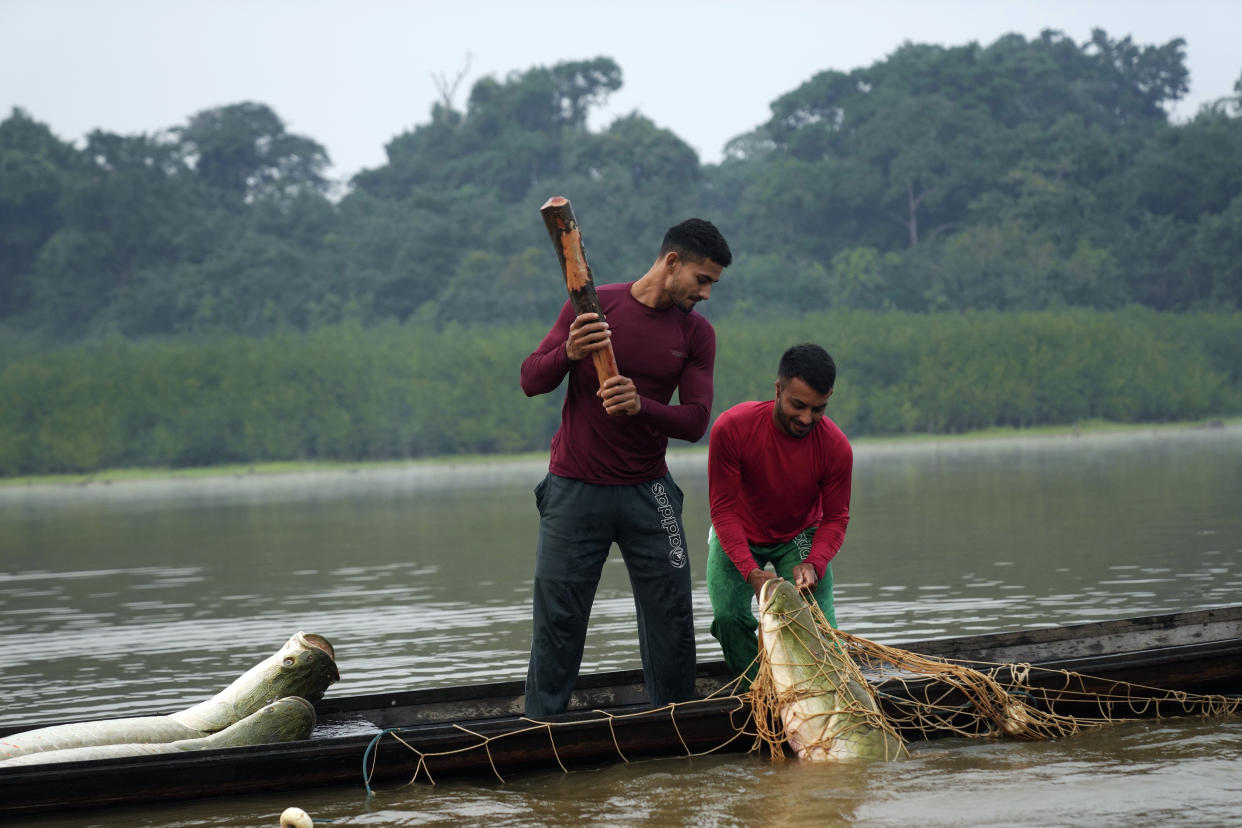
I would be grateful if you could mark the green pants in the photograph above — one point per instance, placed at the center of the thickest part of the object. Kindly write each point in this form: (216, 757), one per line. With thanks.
(733, 619)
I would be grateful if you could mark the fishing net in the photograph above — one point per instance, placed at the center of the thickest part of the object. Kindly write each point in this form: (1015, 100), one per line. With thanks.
(674, 727)
(858, 689)
(810, 694)
(921, 696)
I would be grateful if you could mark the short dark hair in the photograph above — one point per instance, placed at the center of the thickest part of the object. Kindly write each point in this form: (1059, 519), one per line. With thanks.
(696, 239)
(811, 364)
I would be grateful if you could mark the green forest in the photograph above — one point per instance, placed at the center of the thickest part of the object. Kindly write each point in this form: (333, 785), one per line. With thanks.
(1011, 234)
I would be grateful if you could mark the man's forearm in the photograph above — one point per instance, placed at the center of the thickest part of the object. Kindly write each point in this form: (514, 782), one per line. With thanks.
(543, 371)
(683, 422)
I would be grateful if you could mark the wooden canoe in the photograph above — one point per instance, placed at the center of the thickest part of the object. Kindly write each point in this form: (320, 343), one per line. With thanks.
(445, 732)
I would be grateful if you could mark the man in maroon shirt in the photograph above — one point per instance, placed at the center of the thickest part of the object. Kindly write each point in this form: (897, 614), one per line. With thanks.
(778, 475)
(607, 479)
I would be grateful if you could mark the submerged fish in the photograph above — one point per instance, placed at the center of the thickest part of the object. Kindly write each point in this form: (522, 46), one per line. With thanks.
(829, 712)
(304, 667)
(284, 720)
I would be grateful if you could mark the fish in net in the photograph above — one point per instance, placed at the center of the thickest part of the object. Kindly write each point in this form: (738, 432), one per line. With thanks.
(831, 695)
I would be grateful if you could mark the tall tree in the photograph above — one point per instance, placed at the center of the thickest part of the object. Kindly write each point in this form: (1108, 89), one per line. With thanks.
(1192, 170)
(1135, 83)
(245, 151)
(514, 133)
(132, 206)
(34, 168)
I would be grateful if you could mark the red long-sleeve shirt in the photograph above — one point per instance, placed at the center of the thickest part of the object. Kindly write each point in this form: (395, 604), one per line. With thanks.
(661, 351)
(766, 486)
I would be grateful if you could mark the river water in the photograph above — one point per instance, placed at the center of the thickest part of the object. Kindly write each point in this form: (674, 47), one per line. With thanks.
(145, 597)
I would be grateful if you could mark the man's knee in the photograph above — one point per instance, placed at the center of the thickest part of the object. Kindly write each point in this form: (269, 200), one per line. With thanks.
(733, 614)
(562, 603)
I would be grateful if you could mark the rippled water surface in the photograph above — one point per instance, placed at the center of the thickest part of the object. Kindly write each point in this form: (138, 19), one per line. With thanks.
(147, 597)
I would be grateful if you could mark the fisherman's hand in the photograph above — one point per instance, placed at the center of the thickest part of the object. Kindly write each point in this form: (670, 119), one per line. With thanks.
(620, 396)
(758, 577)
(587, 333)
(805, 578)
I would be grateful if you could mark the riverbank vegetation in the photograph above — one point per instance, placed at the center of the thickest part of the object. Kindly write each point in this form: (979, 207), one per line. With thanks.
(1012, 234)
(345, 392)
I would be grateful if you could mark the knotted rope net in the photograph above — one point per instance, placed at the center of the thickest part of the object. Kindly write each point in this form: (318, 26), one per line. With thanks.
(868, 697)
(561, 737)
(867, 685)
(809, 694)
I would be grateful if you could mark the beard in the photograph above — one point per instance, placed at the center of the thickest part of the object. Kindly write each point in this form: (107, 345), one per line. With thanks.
(789, 426)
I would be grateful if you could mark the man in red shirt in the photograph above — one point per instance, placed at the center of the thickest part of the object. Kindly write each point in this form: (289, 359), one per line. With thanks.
(778, 476)
(607, 479)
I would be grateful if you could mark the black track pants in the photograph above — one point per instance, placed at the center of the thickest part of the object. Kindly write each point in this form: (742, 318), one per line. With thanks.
(578, 523)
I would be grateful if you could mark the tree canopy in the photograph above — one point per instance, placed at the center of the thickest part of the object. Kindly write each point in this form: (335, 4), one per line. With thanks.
(1021, 175)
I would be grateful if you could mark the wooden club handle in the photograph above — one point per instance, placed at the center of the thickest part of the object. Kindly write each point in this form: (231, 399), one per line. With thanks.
(558, 217)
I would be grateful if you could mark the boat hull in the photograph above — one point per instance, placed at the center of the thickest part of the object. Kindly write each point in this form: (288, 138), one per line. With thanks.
(453, 732)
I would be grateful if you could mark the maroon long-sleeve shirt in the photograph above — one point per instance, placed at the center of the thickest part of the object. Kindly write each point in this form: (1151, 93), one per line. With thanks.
(766, 486)
(661, 351)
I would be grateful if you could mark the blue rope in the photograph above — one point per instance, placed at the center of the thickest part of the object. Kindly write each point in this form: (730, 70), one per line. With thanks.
(366, 754)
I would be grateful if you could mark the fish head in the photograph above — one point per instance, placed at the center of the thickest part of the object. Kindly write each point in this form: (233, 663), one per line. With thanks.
(285, 720)
(788, 631)
(312, 640)
(779, 597)
(305, 666)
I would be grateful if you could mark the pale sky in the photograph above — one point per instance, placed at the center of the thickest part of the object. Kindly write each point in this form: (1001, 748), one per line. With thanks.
(352, 74)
